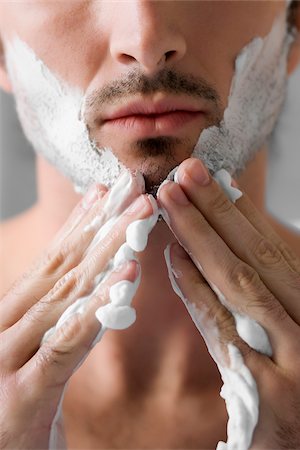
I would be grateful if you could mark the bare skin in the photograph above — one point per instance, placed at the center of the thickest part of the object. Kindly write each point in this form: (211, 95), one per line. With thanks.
(153, 385)
(148, 377)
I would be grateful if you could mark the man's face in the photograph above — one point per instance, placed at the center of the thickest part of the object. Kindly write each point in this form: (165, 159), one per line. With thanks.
(154, 73)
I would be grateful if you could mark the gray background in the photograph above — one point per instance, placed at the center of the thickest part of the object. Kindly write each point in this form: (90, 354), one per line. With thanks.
(17, 162)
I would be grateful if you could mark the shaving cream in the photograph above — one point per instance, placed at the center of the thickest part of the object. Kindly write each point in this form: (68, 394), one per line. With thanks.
(256, 98)
(49, 111)
(118, 314)
(45, 103)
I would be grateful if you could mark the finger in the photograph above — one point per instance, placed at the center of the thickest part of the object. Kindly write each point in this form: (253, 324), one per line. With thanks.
(246, 234)
(238, 283)
(77, 286)
(241, 368)
(213, 320)
(95, 193)
(59, 356)
(60, 257)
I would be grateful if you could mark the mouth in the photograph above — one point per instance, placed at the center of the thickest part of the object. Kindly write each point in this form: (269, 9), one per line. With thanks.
(145, 118)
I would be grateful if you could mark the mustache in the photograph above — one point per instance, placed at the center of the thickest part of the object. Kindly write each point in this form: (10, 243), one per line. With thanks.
(166, 81)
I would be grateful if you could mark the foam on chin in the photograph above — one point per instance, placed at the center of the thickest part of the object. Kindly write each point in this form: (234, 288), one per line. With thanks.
(50, 112)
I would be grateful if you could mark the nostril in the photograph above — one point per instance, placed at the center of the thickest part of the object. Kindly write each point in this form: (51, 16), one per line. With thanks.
(169, 54)
(126, 59)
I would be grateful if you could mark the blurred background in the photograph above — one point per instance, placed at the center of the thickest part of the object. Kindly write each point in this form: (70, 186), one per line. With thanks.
(17, 162)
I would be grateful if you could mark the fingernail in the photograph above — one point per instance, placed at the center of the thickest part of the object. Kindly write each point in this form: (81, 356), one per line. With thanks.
(234, 183)
(178, 251)
(90, 197)
(198, 173)
(125, 265)
(176, 193)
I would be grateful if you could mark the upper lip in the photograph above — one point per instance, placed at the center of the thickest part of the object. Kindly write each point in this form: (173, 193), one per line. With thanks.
(149, 107)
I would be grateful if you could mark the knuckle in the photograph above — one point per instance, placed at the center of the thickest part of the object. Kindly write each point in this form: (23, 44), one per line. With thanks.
(57, 259)
(243, 277)
(83, 281)
(38, 312)
(274, 308)
(246, 351)
(268, 305)
(51, 355)
(63, 287)
(35, 314)
(294, 281)
(266, 253)
(225, 323)
(67, 333)
(221, 205)
(53, 260)
(290, 257)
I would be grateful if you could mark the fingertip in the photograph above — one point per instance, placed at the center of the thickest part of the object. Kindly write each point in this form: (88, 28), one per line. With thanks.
(234, 183)
(133, 269)
(101, 188)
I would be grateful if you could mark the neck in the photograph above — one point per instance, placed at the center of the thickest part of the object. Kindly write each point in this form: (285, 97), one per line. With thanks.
(56, 197)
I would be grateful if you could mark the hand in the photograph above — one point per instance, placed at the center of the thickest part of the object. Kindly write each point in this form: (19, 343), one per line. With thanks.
(233, 255)
(32, 375)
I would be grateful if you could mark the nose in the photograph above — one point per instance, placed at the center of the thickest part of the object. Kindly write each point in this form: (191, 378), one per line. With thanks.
(145, 33)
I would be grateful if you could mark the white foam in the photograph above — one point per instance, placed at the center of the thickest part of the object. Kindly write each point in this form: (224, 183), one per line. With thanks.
(255, 101)
(172, 274)
(242, 402)
(45, 101)
(138, 231)
(116, 317)
(256, 97)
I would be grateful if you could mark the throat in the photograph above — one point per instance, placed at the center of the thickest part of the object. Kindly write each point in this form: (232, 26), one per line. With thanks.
(138, 364)
(162, 351)
(156, 375)
(164, 389)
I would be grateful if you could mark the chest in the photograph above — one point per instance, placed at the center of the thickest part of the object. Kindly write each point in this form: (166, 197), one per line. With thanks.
(187, 422)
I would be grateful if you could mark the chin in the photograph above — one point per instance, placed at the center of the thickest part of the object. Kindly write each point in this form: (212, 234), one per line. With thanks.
(155, 158)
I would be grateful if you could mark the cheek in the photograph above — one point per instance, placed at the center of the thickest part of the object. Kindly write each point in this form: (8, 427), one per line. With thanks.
(218, 32)
(63, 35)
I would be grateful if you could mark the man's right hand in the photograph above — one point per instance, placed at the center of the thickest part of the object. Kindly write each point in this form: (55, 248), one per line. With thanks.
(33, 375)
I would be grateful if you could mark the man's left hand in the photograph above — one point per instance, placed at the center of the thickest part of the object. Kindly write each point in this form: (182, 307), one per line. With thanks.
(233, 247)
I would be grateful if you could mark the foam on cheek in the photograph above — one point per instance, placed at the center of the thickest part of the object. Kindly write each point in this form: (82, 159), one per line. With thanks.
(256, 97)
(46, 103)
(49, 110)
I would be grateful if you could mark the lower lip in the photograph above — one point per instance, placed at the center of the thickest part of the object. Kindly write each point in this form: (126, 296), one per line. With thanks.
(154, 125)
